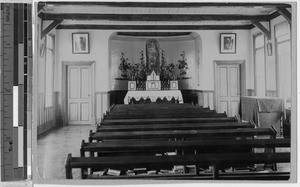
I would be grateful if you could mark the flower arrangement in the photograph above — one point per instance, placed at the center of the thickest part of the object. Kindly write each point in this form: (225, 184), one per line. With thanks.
(142, 75)
(182, 65)
(124, 66)
(169, 71)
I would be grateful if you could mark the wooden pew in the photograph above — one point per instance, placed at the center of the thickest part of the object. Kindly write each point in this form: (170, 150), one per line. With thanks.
(157, 162)
(186, 134)
(209, 145)
(120, 107)
(163, 110)
(182, 110)
(167, 120)
(149, 115)
(176, 126)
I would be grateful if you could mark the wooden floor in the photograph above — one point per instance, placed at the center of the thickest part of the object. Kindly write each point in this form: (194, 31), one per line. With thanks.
(53, 147)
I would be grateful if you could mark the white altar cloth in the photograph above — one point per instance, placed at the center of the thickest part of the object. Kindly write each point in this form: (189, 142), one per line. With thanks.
(154, 95)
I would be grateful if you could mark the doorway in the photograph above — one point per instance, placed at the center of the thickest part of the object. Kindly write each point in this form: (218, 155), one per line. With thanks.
(228, 87)
(79, 92)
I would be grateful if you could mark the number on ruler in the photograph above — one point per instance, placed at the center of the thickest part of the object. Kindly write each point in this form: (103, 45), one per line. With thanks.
(10, 146)
(7, 90)
(7, 137)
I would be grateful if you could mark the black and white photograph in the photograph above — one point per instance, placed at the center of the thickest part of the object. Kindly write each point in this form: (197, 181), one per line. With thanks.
(148, 92)
(227, 43)
(80, 43)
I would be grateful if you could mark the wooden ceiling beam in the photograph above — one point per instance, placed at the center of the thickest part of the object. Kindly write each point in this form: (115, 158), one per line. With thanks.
(157, 27)
(50, 28)
(154, 34)
(154, 17)
(171, 4)
(285, 13)
(40, 6)
(266, 32)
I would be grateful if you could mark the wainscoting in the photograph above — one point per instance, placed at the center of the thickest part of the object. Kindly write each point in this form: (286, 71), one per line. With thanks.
(102, 104)
(206, 98)
(250, 92)
(271, 93)
(46, 115)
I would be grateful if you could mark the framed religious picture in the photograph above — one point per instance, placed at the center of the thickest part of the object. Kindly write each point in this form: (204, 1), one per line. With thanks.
(80, 43)
(227, 43)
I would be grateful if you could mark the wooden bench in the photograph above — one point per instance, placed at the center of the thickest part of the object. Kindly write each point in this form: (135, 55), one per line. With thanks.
(149, 115)
(158, 162)
(186, 134)
(167, 120)
(200, 146)
(176, 126)
(120, 107)
(163, 110)
(180, 110)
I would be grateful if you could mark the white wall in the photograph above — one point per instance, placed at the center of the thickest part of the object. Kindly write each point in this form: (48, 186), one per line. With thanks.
(99, 50)
(211, 52)
(107, 58)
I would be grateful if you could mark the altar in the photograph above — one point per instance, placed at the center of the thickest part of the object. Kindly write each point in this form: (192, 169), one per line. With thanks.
(154, 95)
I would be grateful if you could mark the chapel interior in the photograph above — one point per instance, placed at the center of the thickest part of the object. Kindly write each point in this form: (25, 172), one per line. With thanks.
(164, 85)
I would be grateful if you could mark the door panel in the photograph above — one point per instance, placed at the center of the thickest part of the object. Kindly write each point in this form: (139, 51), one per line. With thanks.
(73, 112)
(234, 108)
(84, 112)
(234, 82)
(223, 107)
(228, 89)
(79, 94)
(73, 84)
(85, 87)
(223, 82)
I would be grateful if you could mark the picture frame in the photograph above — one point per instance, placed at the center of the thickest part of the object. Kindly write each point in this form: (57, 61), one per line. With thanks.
(80, 43)
(227, 43)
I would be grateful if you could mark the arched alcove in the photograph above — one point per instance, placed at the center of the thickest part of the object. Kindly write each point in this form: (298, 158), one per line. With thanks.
(132, 45)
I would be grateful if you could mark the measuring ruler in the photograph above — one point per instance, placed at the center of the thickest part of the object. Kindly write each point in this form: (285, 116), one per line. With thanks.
(14, 60)
(7, 55)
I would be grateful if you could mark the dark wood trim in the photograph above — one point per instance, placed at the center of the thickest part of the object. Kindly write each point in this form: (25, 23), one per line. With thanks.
(266, 32)
(153, 17)
(170, 4)
(157, 27)
(274, 15)
(154, 34)
(50, 27)
(285, 13)
(40, 6)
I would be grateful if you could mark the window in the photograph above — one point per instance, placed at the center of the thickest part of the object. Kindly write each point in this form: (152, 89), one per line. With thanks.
(283, 59)
(260, 65)
(50, 56)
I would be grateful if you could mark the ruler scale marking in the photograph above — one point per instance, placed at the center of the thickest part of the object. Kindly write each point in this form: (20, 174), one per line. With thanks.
(15, 34)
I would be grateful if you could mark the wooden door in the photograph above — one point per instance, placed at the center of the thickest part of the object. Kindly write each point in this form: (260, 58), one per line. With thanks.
(79, 89)
(228, 89)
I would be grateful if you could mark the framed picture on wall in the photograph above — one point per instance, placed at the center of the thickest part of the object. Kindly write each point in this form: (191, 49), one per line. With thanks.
(80, 43)
(227, 43)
